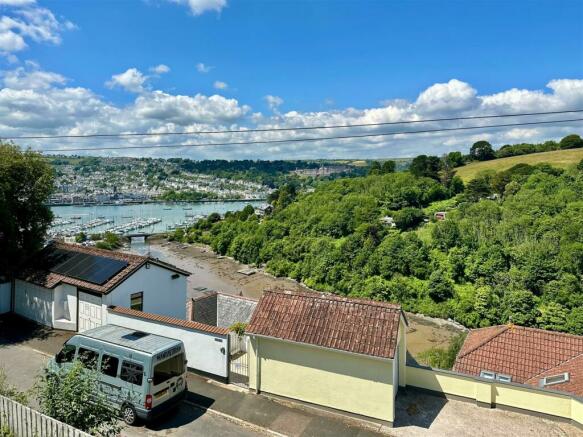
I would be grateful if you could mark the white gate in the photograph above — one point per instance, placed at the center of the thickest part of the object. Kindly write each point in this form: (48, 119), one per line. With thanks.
(89, 311)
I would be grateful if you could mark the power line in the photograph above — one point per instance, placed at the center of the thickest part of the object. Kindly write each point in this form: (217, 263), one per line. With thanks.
(153, 134)
(299, 140)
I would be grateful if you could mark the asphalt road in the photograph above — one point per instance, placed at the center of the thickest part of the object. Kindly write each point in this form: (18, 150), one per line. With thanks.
(22, 365)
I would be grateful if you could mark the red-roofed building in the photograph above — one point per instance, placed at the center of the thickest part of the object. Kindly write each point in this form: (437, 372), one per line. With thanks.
(343, 353)
(68, 286)
(510, 353)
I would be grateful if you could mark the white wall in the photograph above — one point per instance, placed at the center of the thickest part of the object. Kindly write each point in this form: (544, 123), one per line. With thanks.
(4, 297)
(203, 349)
(162, 294)
(34, 302)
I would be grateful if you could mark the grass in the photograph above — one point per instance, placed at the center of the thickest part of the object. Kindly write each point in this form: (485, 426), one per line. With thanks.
(557, 158)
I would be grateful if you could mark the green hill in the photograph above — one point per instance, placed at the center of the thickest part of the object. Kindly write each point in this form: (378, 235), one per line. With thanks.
(557, 158)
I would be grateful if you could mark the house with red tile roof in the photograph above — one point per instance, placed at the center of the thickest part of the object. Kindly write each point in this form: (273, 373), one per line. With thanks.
(344, 353)
(510, 353)
(69, 286)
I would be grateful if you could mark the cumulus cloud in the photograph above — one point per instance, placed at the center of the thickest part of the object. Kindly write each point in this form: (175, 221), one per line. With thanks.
(160, 69)
(202, 68)
(274, 102)
(36, 101)
(24, 21)
(199, 7)
(220, 85)
(131, 80)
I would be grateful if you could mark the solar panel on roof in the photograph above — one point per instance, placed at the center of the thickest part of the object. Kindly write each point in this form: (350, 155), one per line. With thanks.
(91, 268)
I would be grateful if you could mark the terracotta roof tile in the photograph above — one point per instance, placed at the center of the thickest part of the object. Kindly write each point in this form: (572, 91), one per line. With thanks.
(38, 271)
(527, 354)
(321, 319)
(169, 320)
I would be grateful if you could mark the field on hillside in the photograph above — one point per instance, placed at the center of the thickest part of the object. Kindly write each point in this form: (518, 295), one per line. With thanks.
(558, 158)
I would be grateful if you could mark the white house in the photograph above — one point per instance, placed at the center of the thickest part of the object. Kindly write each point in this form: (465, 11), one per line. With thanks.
(67, 286)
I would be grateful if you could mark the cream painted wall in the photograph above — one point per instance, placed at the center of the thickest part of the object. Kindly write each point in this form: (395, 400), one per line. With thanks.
(162, 294)
(348, 382)
(402, 345)
(34, 302)
(496, 393)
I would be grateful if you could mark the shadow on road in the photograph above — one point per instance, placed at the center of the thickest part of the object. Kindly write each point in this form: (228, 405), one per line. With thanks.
(15, 330)
(416, 408)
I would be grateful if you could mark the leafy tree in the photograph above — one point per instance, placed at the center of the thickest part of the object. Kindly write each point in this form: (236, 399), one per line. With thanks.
(440, 286)
(454, 159)
(445, 234)
(375, 168)
(478, 188)
(72, 395)
(520, 307)
(571, 142)
(81, 237)
(443, 358)
(425, 166)
(408, 218)
(388, 167)
(26, 182)
(552, 316)
(482, 151)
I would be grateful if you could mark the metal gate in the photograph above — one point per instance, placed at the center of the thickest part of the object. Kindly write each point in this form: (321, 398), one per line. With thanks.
(238, 360)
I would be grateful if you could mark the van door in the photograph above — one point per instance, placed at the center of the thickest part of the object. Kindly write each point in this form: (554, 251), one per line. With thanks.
(110, 384)
(168, 376)
(133, 380)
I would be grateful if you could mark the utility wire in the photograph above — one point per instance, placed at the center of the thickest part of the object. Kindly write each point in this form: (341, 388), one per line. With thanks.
(300, 140)
(153, 134)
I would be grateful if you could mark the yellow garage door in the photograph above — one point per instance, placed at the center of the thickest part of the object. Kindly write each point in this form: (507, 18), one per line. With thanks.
(349, 382)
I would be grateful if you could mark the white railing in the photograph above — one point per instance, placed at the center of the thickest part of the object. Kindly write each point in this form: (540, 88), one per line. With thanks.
(23, 421)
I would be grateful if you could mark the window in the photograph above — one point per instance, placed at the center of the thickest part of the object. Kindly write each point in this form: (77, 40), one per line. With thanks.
(137, 301)
(88, 358)
(66, 355)
(555, 379)
(131, 372)
(497, 376)
(109, 365)
(503, 378)
(168, 369)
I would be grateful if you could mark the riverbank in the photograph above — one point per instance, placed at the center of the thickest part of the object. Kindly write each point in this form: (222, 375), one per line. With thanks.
(212, 272)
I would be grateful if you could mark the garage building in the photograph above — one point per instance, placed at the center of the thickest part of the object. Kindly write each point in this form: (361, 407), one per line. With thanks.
(342, 353)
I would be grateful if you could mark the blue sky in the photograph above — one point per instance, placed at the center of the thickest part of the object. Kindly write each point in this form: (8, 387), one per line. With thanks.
(324, 60)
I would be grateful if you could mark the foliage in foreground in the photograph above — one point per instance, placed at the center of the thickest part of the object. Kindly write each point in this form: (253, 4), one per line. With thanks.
(442, 358)
(9, 391)
(72, 395)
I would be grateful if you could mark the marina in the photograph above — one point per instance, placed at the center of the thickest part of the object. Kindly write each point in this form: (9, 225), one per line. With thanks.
(124, 219)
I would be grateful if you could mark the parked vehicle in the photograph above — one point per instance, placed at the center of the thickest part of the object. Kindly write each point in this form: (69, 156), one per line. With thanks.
(142, 374)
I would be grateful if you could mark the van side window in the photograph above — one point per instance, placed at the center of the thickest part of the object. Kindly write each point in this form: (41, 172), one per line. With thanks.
(109, 365)
(131, 372)
(88, 358)
(67, 354)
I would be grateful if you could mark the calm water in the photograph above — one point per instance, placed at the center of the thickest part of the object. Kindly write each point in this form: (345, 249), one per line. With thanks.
(170, 214)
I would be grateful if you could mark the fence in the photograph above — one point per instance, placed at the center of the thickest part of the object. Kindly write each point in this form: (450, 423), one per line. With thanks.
(496, 393)
(23, 421)
(207, 347)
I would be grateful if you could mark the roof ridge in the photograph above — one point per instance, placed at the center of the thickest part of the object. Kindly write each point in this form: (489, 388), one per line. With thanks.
(323, 295)
(487, 340)
(558, 365)
(546, 331)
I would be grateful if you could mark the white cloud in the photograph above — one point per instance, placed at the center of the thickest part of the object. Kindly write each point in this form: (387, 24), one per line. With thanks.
(160, 69)
(131, 80)
(274, 102)
(451, 96)
(202, 68)
(199, 7)
(23, 21)
(36, 101)
(220, 85)
(32, 78)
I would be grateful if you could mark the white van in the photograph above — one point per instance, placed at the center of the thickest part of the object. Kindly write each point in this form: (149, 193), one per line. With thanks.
(142, 374)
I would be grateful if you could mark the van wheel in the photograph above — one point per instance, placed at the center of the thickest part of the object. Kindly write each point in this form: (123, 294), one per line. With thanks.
(129, 415)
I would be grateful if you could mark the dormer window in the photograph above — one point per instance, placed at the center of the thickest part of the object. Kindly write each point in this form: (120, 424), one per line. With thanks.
(555, 379)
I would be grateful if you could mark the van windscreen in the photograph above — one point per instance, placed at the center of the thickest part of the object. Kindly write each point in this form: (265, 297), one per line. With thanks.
(168, 369)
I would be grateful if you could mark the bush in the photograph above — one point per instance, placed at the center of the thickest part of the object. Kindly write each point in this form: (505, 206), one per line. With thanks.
(443, 358)
(72, 395)
(408, 218)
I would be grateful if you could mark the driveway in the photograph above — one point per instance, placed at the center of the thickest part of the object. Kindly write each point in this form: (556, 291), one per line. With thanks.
(22, 364)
